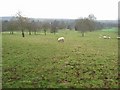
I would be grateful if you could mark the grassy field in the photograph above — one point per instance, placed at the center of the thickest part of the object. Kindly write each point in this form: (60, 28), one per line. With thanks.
(42, 62)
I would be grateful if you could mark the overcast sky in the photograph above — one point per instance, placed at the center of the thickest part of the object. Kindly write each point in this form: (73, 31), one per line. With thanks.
(71, 9)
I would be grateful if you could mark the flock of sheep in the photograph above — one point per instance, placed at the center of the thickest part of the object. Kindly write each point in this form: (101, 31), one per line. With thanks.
(107, 37)
(61, 39)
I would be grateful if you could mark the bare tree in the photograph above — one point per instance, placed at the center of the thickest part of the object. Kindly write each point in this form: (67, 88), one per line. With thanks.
(92, 22)
(12, 25)
(38, 26)
(62, 25)
(29, 26)
(45, 26)
(21, 23)
(69, 27)
(54, 26)
(35, 26)
(85, 24)
(81, 25)
(5, 25)
(92, 17)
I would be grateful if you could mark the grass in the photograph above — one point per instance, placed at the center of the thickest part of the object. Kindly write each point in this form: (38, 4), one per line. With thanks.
(111, 30)
(40, 61)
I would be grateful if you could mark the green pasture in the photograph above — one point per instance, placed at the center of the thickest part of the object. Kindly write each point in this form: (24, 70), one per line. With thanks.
(39, 61)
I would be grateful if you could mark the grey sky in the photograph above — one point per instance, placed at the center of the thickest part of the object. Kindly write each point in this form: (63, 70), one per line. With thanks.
(72, 9)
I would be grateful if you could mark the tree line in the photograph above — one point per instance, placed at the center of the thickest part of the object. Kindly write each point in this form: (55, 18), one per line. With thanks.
(23, 24)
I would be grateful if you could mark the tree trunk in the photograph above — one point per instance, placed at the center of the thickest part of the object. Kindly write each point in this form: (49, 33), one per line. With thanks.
(45, 31)
(12, 32)
(83, 34)
(35, 32)
(29, 32)
(23, 35)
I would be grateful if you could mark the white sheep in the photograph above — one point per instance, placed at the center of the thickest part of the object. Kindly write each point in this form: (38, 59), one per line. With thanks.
(118, 37)
(61, 39)
(106, 37)
(109, 37)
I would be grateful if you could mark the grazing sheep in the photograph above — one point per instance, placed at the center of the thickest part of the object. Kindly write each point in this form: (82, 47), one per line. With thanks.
(109, 37)
(106, 37)
(61, 39)
(118, 37)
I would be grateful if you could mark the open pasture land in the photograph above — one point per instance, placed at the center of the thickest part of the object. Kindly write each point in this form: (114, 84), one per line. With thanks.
(40, 61)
